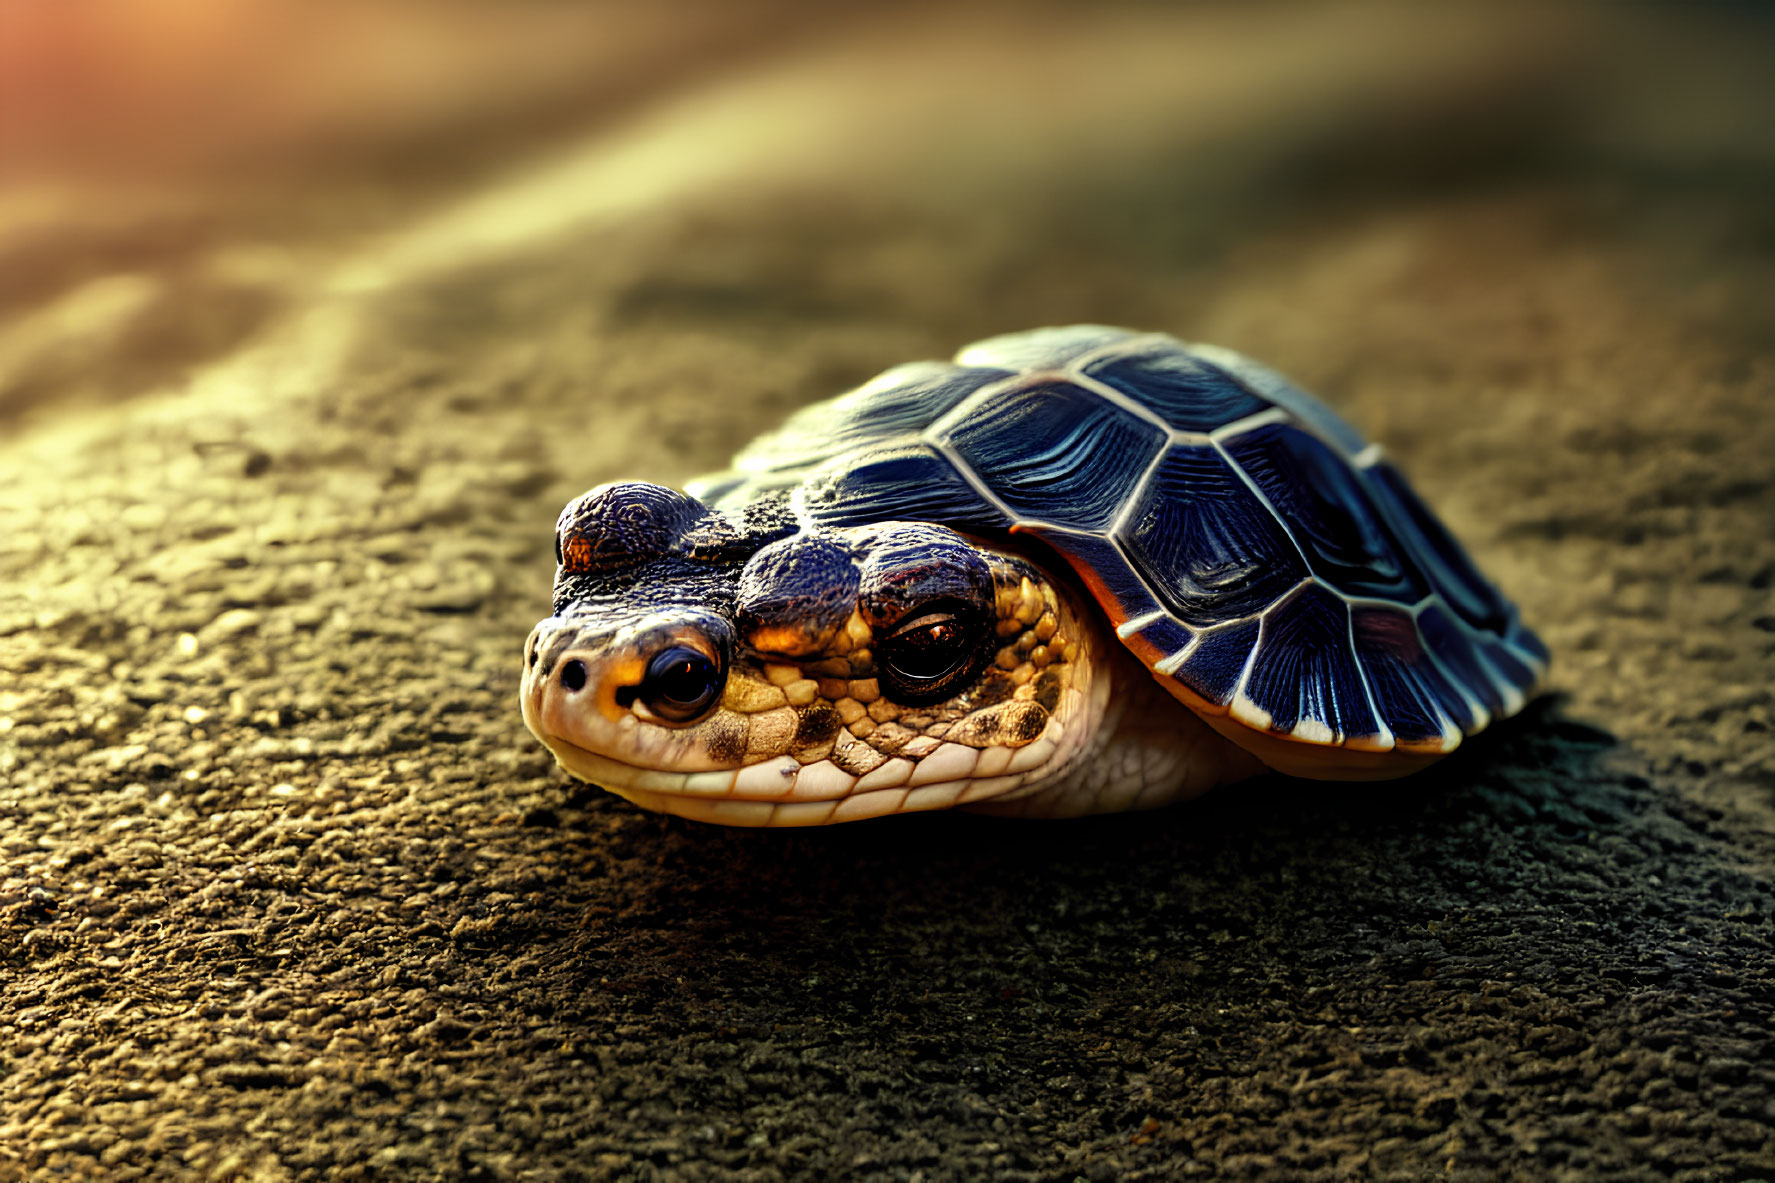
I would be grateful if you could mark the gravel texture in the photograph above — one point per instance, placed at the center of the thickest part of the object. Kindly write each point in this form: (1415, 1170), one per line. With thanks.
(287, 891)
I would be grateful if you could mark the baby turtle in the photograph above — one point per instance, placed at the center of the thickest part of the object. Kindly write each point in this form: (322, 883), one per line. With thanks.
(911, 596)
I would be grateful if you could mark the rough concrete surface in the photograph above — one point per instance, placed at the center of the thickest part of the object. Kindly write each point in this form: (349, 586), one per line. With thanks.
(287, 408)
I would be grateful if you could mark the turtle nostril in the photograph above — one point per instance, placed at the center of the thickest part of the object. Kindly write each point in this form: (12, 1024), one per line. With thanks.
(573, 675)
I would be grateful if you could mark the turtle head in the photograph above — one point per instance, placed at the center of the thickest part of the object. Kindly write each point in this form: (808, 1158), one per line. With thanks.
(638, 651)
(758, 670)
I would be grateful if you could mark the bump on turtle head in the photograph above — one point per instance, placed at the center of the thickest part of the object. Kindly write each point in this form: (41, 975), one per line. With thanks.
(621, 525)
(617, 537)
(796, 593)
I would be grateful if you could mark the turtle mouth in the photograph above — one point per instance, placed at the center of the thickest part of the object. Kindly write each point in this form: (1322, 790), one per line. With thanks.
(614, 774)
(781, 792)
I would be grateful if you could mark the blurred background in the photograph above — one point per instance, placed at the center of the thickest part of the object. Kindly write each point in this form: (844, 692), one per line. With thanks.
(173, 176)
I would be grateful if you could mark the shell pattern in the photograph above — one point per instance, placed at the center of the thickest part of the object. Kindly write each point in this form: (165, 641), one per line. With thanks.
(1251, 547)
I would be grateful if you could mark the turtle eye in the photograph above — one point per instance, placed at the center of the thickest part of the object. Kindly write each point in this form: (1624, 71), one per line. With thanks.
(927, 657)
(680, 684)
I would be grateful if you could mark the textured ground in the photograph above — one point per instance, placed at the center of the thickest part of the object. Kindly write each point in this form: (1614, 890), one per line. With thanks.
(286, 414)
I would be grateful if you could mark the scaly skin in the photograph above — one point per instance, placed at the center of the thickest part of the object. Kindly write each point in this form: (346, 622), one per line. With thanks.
(1060, 722)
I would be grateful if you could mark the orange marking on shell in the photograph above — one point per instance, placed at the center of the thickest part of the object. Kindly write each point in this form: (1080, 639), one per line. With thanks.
(1094, 584)
(1354, 759)
(1148, 653)
(1296, 757)
(1194, 701)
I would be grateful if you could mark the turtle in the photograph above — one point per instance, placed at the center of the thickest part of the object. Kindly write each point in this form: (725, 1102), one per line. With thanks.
(1076, 570)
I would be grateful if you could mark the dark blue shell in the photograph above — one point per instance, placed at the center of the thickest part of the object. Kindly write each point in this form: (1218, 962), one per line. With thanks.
(1246, 542)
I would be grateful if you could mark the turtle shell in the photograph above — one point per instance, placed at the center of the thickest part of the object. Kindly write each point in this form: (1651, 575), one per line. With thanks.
(1273, 571)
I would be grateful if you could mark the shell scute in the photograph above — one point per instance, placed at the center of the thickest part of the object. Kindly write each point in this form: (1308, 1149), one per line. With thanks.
(1276, 389)
(1159, 639)
(1326, 507)
(744, 495)
(1103, 569)
(1189, 394)
(1212, 669)
(1041, 349)
(1445, 561)
(1451, 647)
(1056, 452)
(1209, 548)
(1416, 701)
(1304, 674)
(901, 402)
(910, 483)
(1527, 642)
(1517, 676)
